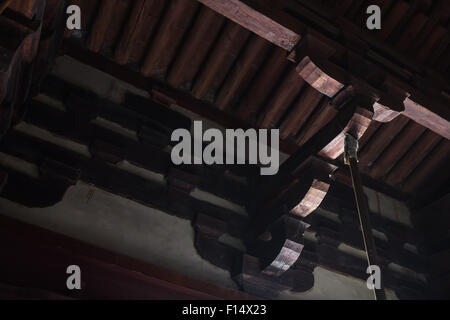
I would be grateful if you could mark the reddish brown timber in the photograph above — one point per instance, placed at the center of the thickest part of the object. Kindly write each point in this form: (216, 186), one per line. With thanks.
(225, 52)
(312, 200)
(121, 14)
(172, 27)
(280, 249)
(398, 148)
(249, 277)
(370, 132)
(138, 30)
(348, 107)
(250, 14)
(263, 85)
(28, 8)
(435, 36)
(393, 18)
(413, 157)
(411, 31)
(283, 97)
(429, 119)
(436, 160)
(101, 25)
(301, 111)
(383, 138)
(320, 77)
(300, 194)
(195, 48)
(323, 114)
(329, 78)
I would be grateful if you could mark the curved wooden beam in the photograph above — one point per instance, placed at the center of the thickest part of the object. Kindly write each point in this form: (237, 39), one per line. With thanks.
(312, 200)
(279, 248)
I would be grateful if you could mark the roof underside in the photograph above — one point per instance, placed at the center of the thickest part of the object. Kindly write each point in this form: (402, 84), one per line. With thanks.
(193, 49)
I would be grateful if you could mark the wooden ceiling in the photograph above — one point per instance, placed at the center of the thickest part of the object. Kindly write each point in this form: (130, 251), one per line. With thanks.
(186, 53)
(231, 70)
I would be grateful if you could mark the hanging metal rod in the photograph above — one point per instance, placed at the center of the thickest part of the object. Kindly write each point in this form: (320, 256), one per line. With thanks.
(351, 159)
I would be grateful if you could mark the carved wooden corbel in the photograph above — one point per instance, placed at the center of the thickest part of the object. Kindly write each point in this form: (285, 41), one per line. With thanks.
(331, 71)
(276, 230)
(281, 245)
(266, 269)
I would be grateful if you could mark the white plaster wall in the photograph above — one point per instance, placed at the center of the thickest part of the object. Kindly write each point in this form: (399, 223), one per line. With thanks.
(125, 227)
(128, 228)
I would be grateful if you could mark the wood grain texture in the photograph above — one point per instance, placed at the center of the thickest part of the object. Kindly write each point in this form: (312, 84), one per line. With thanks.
(250, 18)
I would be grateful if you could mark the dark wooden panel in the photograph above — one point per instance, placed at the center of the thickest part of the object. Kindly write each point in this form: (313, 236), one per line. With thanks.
(225, 52)
(413, 158)
(170, 33)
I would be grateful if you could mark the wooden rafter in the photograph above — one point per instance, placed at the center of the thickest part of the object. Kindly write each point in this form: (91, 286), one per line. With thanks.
(419, 104)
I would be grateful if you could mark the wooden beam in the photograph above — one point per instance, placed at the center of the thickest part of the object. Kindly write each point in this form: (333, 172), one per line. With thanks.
(437, 122)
